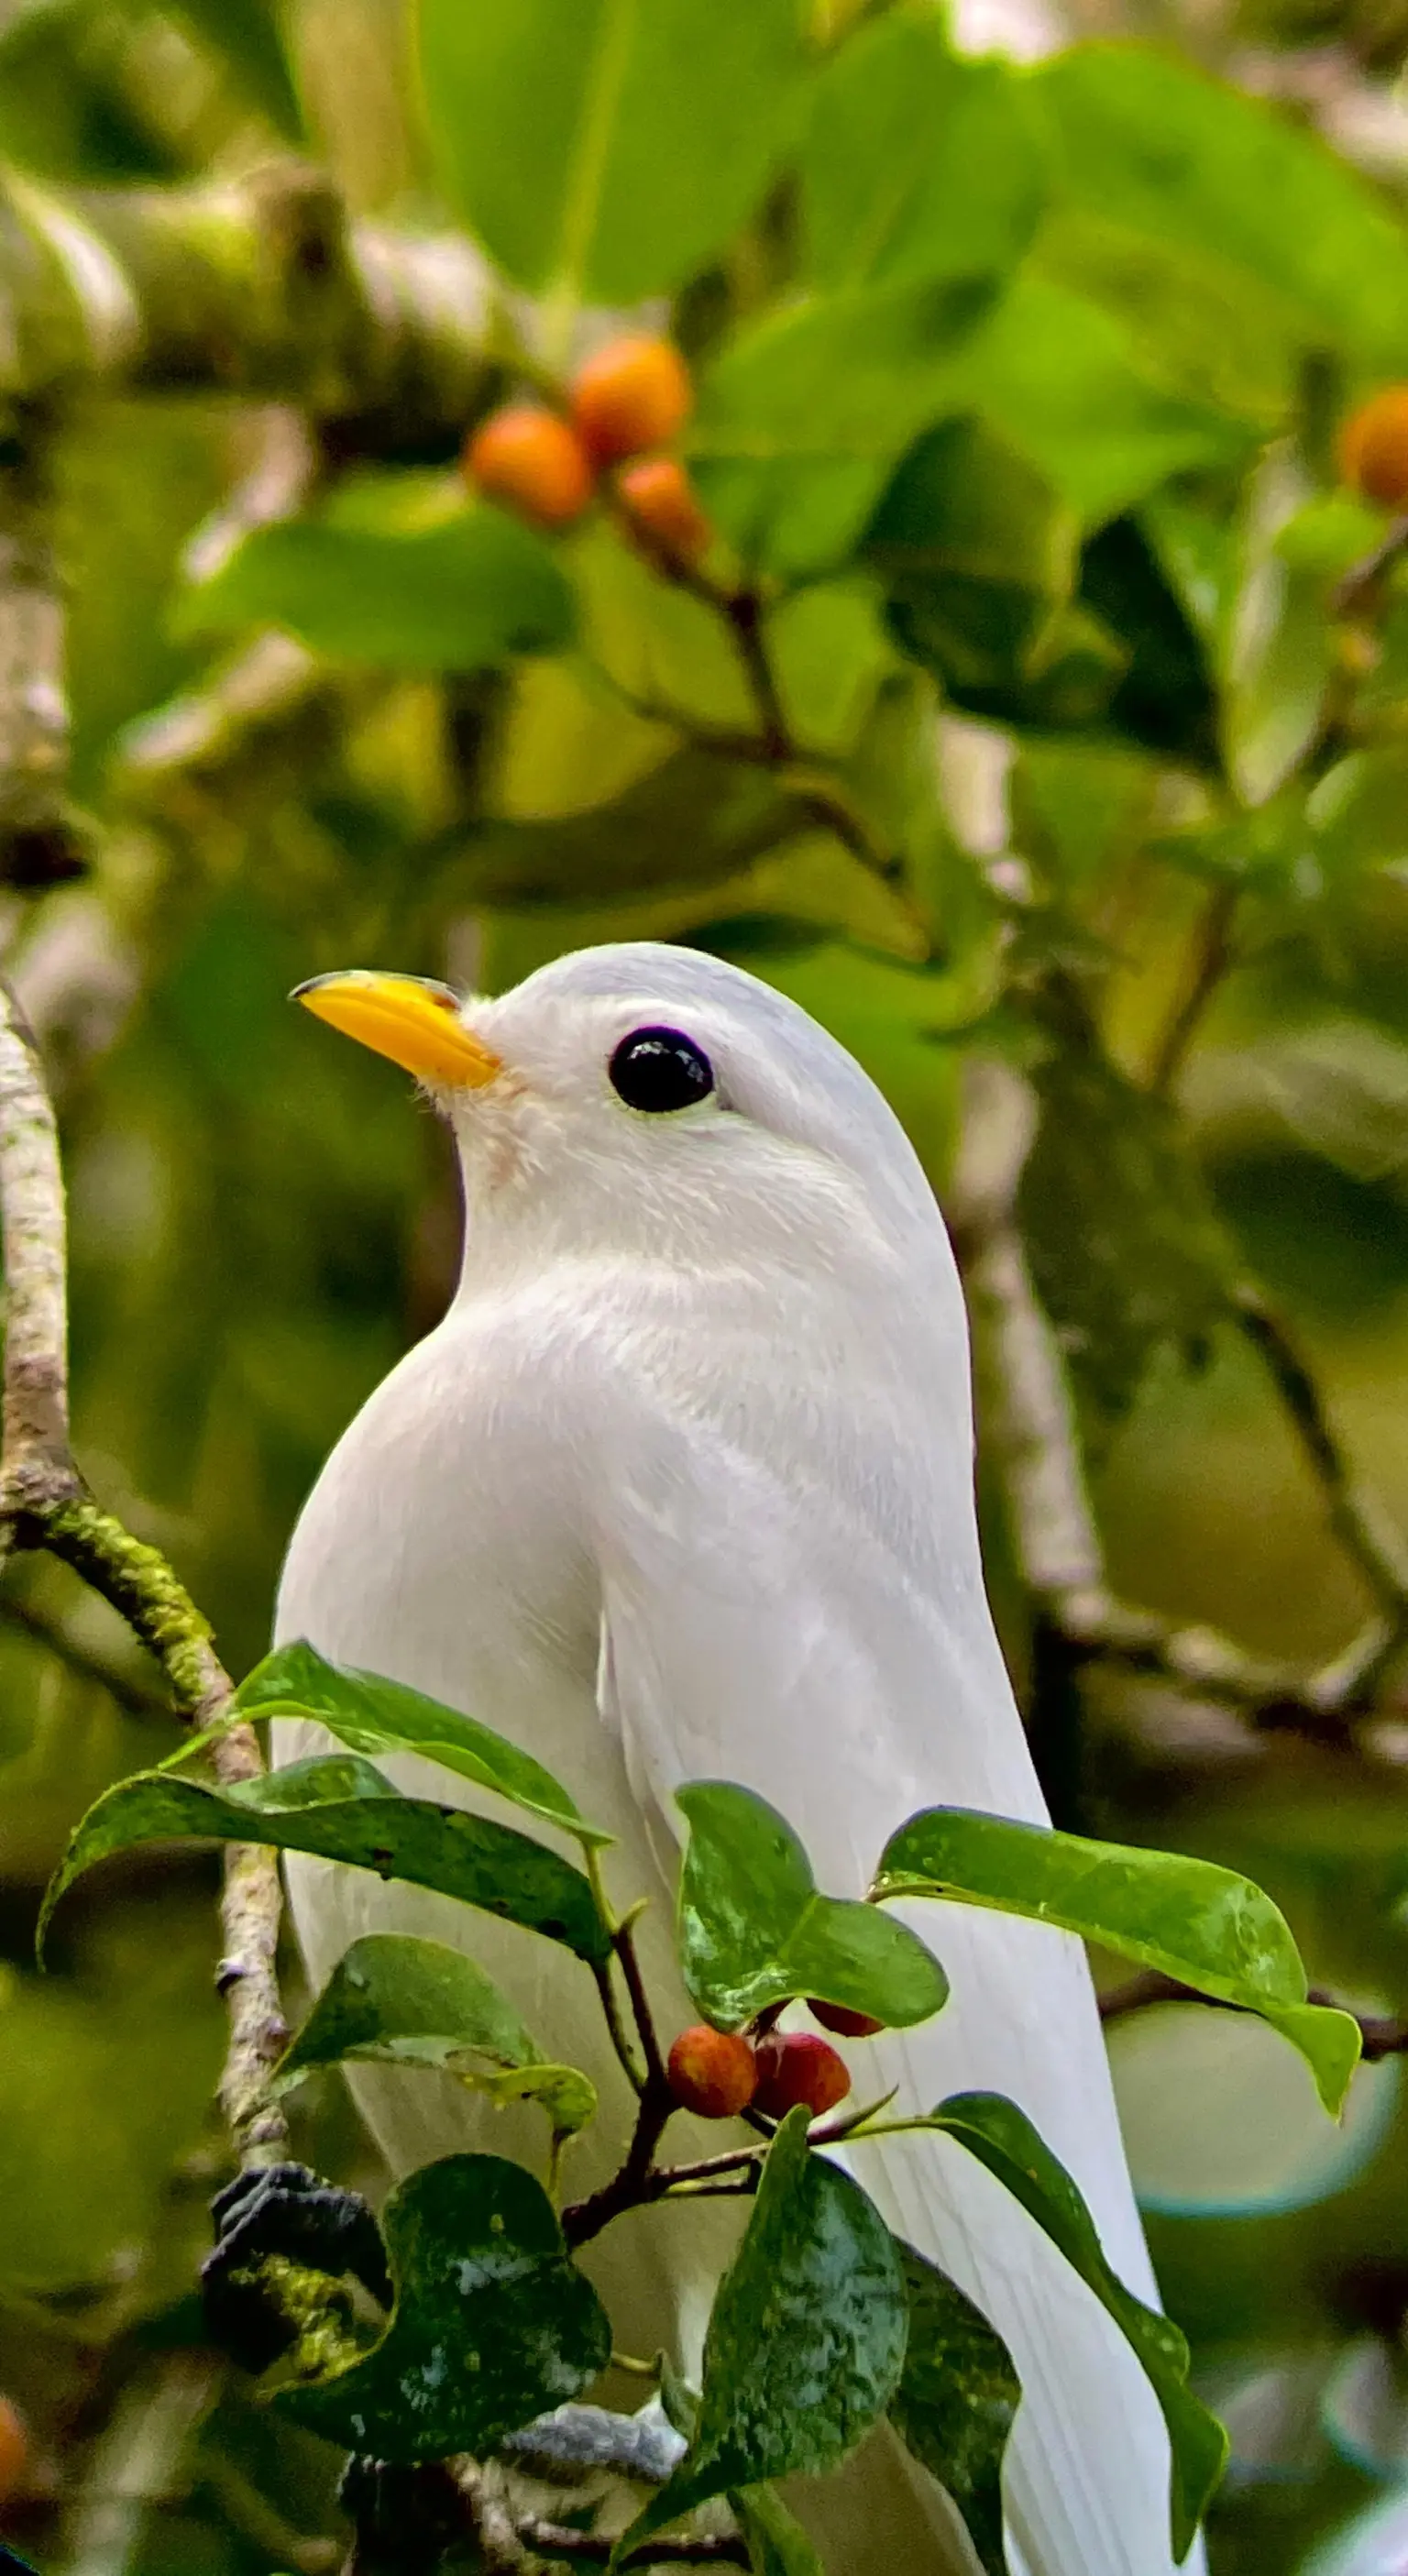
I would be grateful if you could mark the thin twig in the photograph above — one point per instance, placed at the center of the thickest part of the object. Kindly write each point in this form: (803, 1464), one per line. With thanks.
(1361, 1532)
(1380, 2035)
(1212, 959)
(44, 1503)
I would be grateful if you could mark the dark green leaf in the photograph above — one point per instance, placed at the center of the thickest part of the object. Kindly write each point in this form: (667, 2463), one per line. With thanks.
(1207, 1926)
(806, 2341)
(1164, 697)
(917, 164)
(344, 1810)
(374, 1715)
(956, 2400)
(1002, 2138)
(694, 819)
(463, 595)
(1126, 1252)
(777, 2544)
(803, 416)
(249, 34)
(755, 1931)
(603, 149)
(493, 2323)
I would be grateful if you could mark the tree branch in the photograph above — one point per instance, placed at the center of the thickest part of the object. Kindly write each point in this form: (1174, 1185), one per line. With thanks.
(261, 287)
(44, 1503)
(1054, 1533)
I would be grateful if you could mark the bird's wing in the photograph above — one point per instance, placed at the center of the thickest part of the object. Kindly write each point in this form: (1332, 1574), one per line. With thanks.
(761, 1628)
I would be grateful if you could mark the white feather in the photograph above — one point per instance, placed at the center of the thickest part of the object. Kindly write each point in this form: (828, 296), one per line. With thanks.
(682, 1488)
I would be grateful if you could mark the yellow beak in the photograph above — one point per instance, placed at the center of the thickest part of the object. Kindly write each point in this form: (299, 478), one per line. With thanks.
(416, 1023)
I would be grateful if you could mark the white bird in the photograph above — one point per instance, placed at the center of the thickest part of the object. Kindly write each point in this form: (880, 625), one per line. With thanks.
(681, 1488)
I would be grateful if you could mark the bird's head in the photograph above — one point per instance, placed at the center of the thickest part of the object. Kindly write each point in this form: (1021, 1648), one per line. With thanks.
(639, 1096)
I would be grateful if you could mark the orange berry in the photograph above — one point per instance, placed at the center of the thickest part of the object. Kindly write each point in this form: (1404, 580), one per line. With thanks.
(793, 2068)
(840, 2018)
(634, 393)
(1373, 447)
(712, 2072)
(662, 505)
(14, 2451)
(533, 462)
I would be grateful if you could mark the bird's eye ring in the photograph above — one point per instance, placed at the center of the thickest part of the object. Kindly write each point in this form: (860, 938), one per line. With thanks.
(659, 1069)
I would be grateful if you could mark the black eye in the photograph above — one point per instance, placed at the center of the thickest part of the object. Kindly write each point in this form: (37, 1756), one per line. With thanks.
(660, 1069)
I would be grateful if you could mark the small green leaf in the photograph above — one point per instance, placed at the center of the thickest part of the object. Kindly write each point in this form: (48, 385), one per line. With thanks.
(754, 1930)
(777, 2544)
(464, 595)
(493, 2323)
(806, 2342)
(602, 149)
(344, 1810)
(1002, 2138)
(374, 1715)
(411, 2003)
(956, 2400)
(564, 2093)
(1207, 1926)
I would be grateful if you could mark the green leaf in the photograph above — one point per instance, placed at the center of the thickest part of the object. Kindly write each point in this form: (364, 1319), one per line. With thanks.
(1205, 1925)
(755, 1931)
(917, 164)
(1002, 2138)
(802, 417)
(1126, 1251)
(345, 1810)
(493, 2323)
(402, 2001)
(374, 1715)
(956, 2400)
(413, 2002)
(1189, 168)
(604, 149)
(806, 2341)
(693, 820)
(777, 2544)
(463, 595)
(1063, 384)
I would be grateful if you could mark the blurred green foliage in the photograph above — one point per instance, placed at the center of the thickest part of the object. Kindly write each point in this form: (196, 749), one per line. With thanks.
(1028, 453)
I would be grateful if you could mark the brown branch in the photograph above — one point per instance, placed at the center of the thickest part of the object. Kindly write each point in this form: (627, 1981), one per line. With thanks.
(1380, 2036)
(44, 1503)
(723, 2549)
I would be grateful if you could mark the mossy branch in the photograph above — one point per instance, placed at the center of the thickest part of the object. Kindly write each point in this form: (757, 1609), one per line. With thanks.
(44, 1503)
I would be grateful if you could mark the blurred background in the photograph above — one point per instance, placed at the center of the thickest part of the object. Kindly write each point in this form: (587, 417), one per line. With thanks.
(1073, 795)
